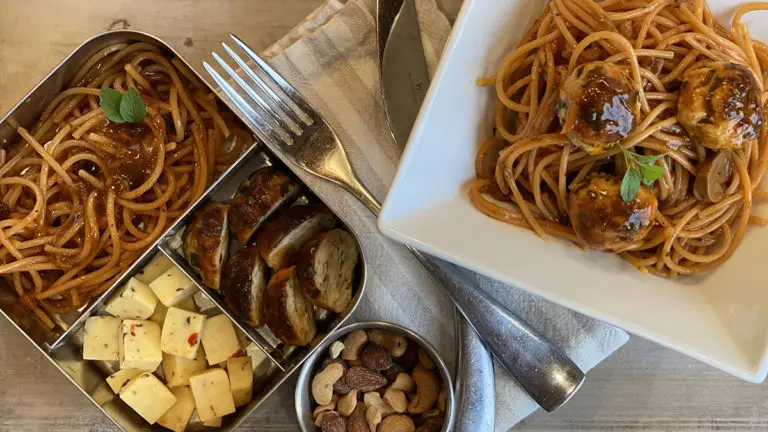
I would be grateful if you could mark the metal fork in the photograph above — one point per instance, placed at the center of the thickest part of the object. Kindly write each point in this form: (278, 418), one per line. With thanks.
(297, 134)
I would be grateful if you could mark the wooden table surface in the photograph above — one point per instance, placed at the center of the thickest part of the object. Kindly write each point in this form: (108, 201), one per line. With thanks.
(641, 387)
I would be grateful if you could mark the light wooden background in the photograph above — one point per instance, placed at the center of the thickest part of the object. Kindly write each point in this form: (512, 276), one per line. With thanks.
(642, 387)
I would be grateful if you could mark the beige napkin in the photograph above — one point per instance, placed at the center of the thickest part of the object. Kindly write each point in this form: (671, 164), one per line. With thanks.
(331, 59)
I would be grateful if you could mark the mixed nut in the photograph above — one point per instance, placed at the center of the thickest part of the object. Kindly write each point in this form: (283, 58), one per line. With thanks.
(378, 381)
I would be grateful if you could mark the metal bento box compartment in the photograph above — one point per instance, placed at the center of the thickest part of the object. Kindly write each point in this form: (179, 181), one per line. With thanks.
(63, 345)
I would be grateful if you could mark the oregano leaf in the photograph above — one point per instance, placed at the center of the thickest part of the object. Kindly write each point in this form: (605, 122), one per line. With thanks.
(630, 184)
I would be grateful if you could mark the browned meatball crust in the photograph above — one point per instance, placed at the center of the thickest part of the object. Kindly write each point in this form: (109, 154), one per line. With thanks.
(719, 105)
(603, 220)
(599, 106)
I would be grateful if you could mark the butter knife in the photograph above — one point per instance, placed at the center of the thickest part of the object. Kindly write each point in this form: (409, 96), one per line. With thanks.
(539, 367)
(405, 80)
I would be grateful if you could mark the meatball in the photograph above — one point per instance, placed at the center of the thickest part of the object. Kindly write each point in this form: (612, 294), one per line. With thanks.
(603, 220)
(719, 105)
(599, 106)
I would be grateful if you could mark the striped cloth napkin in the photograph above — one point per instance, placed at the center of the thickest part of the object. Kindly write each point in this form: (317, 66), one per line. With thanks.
(331, 58)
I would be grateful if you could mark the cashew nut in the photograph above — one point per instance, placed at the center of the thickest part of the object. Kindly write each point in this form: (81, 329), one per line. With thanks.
(322, 384)
(427, 389)
(377, 409)
(373, 416)
(336, 349)
(374, 399)
(327, 407)
(403, 382)
(347, 403)
(425, 359)
(353, 344)
(397, 423)
(393, 342)
(396, 399)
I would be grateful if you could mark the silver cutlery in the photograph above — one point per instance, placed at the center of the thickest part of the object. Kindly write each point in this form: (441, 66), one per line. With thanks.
(404, 84)
(297, 134)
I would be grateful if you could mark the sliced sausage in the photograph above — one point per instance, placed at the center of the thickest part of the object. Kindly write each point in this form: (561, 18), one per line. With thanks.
(257, 198)
(206, 242)
(288, 313)
(283, 236)
(243, 284)
(326, 269)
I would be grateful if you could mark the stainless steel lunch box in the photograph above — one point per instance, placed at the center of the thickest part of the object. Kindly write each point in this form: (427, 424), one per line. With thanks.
(62, 346)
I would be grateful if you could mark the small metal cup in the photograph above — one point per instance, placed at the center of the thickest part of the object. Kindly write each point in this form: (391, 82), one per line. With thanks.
(303, 395)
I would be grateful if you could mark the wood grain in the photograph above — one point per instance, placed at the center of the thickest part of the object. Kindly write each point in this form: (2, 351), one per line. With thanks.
(642, 387)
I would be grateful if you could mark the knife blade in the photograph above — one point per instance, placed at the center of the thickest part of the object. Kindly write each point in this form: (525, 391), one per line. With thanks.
(405, 80)
(404, 73)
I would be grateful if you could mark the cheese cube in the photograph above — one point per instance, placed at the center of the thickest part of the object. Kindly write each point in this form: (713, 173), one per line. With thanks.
(213, 396)
(134, 301)
(177, 370)
(214, 422)
(172, 287)
(178, 416)
(119, 379)
(157, 266)
(219, 339)
(148, 396)
(161, 310)
(140, 345)
(240, 380)
(101, 338)
(181, 333)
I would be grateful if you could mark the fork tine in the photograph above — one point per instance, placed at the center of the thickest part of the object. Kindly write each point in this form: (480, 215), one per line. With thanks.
(263, 130)
(289, 91)
(289, 112)
(281, 125)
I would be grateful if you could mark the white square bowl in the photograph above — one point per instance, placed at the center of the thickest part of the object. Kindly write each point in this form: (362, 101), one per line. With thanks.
(720, 318)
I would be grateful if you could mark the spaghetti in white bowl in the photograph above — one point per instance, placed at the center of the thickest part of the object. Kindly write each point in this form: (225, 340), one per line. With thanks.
(712, 304)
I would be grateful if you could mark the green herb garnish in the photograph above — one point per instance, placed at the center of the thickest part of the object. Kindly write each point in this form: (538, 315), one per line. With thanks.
(122, 107)
(640, 169)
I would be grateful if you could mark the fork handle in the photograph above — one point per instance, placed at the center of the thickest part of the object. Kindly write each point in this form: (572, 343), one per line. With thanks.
(520, 349)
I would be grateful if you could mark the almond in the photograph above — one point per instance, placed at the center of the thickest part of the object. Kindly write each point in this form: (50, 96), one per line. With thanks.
(331, 421)
(376, 357)
(392, 373)
(329, 361)
(365, 380)
(433, 424)
(356, 421)
(341, 387)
